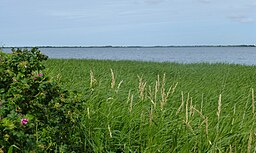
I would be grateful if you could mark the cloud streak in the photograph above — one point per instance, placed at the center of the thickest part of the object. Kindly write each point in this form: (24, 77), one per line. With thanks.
(242, 19)
(205, 1)
(154, 2)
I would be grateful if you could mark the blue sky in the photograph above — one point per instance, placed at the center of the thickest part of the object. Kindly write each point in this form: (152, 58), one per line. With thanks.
(127, 22)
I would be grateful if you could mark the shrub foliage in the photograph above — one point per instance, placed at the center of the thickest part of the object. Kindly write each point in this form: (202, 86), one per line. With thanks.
(36, 114)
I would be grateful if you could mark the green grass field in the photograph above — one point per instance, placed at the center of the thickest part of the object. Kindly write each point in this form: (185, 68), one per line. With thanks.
(162, 107)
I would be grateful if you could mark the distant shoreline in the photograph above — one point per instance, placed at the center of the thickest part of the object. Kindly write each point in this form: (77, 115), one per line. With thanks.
(128, 46)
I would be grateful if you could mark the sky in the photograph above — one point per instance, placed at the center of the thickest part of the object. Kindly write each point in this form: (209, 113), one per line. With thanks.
(127, 22)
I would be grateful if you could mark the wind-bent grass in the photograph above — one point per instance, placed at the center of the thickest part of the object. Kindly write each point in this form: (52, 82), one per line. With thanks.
(162, 107)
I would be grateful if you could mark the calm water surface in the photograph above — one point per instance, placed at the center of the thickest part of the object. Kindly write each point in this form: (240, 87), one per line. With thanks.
(236, 55)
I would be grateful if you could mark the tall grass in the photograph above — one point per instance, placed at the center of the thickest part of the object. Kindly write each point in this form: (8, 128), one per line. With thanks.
(162, 107)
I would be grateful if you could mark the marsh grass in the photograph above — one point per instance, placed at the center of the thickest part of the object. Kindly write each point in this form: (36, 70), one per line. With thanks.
(162, 107)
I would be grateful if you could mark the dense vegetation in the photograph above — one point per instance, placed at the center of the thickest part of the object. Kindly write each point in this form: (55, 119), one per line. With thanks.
(210, 107)
(36, 114)
(129, 106)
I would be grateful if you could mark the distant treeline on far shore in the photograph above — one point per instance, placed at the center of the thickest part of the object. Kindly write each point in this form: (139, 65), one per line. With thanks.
(109, 46)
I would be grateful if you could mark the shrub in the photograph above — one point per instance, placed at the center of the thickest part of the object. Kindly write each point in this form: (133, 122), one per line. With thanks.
(36, 114)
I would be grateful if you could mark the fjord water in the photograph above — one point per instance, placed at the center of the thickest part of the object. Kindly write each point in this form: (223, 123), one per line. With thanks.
(234, 55)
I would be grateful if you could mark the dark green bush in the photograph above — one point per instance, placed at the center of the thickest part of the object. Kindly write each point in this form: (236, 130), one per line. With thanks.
(36, 114)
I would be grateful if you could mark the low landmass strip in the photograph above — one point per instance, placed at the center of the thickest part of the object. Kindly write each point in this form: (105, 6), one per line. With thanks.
(128, 46)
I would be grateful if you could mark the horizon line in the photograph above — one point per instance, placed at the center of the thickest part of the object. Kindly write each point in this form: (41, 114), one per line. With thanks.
(125, 46)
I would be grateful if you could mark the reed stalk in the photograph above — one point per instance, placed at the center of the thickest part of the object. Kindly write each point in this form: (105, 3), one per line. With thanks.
(92, 79)
(113, 80)
(253, 105)
(156, 90)
(142, 85)
(109, 130)
(187, 108)
(182, 103)
(118, 86)
(219, 107)
(249, 142)
(88, 112)
(218, 114)
(206, 126)
(163, 94)
(151, 97)
(202, 103)
(131, 103)
(129, 95)
(205, 120)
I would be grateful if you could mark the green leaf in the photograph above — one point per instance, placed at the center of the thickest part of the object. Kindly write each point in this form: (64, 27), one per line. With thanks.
(1, 90)
(10, 150)
(8, 124)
